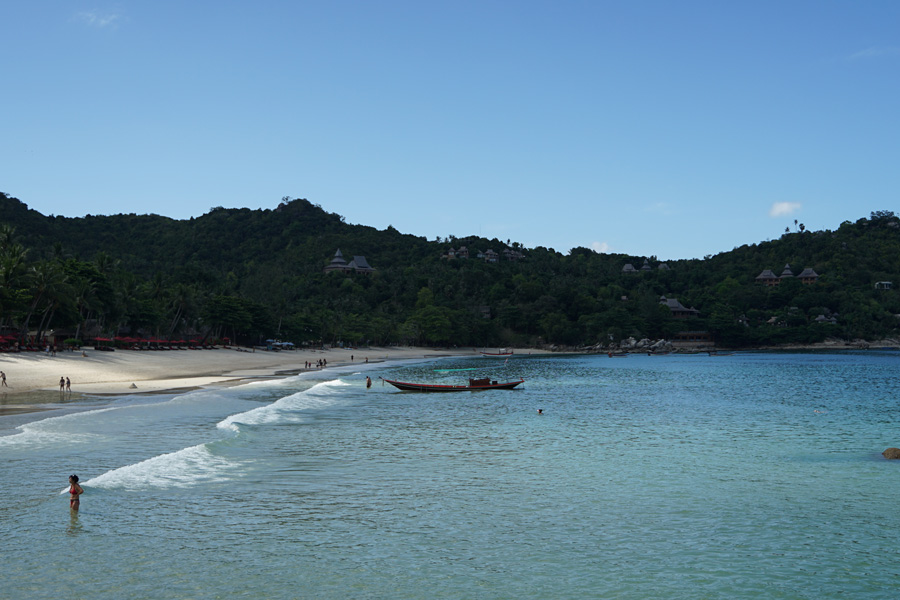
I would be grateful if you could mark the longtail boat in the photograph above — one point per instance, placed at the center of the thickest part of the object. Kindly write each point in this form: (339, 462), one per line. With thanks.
(475, 385)
(501, 353)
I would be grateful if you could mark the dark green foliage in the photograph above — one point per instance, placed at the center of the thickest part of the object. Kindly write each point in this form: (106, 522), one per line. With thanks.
(255, 274)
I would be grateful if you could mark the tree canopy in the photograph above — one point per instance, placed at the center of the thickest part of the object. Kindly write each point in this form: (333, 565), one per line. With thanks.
(255, 274)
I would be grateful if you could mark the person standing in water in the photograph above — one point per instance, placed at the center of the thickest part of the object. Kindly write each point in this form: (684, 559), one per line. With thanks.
(75, 490)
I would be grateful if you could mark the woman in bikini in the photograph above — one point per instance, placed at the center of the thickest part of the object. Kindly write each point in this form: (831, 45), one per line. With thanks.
(76, 490)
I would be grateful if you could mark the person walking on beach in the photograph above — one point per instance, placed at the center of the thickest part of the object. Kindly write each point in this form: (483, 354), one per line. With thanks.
(3, 379)
(75, 490)
(62, 384)
(68, 385)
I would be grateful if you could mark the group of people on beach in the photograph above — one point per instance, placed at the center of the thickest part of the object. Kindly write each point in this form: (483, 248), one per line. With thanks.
(65, 384)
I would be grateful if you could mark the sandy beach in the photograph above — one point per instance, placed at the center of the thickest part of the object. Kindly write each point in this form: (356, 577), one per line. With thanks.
(102, 372)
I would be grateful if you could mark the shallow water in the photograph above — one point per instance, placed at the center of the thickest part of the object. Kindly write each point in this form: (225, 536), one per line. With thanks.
(746, 476)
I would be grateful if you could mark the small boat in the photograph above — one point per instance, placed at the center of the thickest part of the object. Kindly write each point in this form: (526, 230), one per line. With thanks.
(618, 354)
(475, 385)
(503, 352)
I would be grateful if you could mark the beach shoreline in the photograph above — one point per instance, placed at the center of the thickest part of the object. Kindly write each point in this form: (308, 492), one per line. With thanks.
(129, 372)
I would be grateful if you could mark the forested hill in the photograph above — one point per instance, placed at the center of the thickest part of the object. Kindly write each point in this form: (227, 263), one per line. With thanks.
(256, 274)
(220, 241)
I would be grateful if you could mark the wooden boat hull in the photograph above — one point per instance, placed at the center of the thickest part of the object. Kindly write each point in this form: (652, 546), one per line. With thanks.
(493, 354)
(430, 387)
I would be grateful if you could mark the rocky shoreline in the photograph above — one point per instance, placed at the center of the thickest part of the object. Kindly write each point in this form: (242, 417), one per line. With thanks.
(646, 345)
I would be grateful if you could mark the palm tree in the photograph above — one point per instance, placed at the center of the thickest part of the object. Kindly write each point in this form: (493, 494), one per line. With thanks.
(7, 233)
(156, 291)
(46, 279)
(104, 263)
(56, 297)
(127, 293)
(84, 297)
(181, 300)
(13, 275)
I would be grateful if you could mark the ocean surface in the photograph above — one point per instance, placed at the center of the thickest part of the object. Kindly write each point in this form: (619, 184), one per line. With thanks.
(756, 475)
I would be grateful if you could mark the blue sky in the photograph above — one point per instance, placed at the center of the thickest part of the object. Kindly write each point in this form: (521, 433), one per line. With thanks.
(675, 129)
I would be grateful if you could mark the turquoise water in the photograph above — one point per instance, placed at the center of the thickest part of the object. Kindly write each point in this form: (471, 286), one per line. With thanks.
(745, 476)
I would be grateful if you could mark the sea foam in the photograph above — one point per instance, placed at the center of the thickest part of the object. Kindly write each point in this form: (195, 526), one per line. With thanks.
(197, 464)
(52, 431)
(288, 409)
(184, 468)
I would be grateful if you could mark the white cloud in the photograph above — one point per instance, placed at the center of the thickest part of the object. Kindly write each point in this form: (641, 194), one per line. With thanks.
(876, 52)
(783, 209)
(601, 247)
(95, 18)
